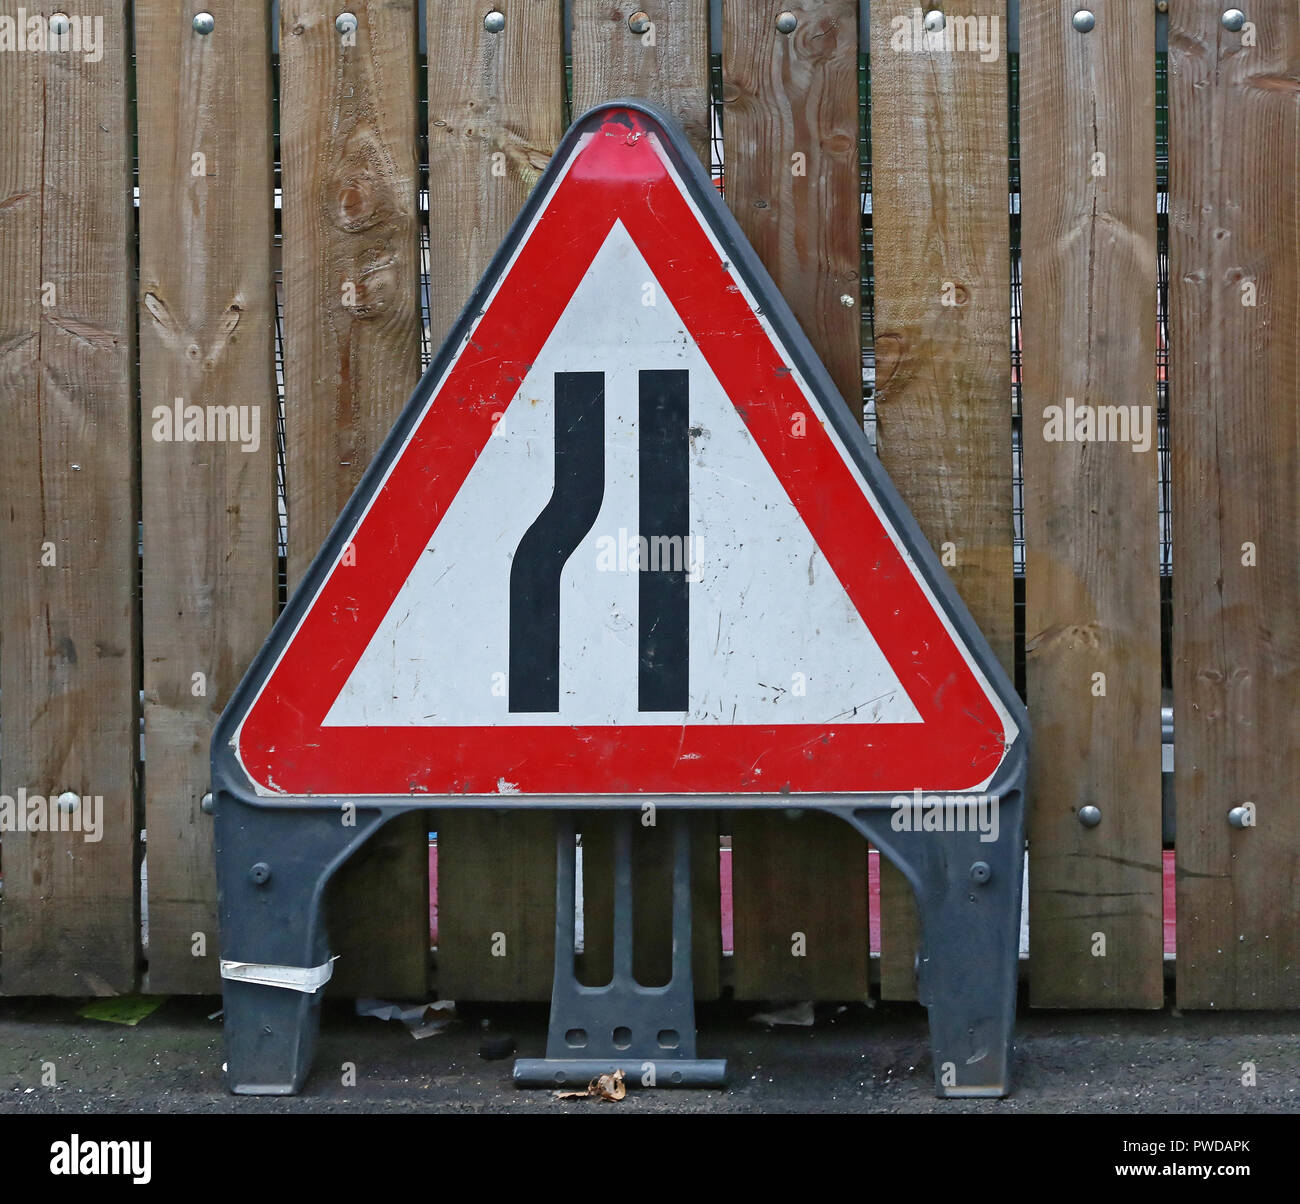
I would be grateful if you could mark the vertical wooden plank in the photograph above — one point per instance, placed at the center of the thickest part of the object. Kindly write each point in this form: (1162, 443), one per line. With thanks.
(207, 508)
(496, 905)
(348, 135)
(943, 327)
(790, 150)
(667, 63)
(799, 894)
(495, 116)
(70, 671)
(1234, 239)
(496, 113)
(1092, 589)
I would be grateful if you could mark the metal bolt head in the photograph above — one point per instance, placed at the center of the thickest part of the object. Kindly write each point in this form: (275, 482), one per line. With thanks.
(59, 24)
(69, 801)
(1233, 20)
(1083, 20)
(495, 21)
(1239, 817)
(204, 24)
(207, 804)
(260, 873)
(935, 21)
(786, 22)
(639, 22)
(980, 872)
(1162, 6)
(346, 23)
(1090, 816)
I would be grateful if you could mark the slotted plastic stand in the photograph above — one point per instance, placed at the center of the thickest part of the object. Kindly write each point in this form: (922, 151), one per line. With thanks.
(646, 1032)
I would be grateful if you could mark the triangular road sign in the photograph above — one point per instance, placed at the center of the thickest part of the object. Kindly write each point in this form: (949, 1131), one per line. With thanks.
(624, 539)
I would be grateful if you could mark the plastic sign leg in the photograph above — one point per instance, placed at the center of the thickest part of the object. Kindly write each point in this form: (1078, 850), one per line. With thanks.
(272, 867)
(968, 893)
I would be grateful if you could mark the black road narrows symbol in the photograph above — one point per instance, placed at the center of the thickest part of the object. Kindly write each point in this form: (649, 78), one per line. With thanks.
(664, 500)
(664, 477)
(547, 545)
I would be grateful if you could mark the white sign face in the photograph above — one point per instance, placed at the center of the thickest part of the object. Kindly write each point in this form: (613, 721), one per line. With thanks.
(773, 636)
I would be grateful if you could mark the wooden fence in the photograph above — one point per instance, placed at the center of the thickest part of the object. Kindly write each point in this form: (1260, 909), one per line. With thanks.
(941, 186)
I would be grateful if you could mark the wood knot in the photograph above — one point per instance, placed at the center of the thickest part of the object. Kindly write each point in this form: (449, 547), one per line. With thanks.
(366, 189)
(889, 354)
(157, 309)
(356, 207)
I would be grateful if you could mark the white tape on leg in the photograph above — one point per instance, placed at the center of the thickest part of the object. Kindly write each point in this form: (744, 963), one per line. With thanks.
(307, 979)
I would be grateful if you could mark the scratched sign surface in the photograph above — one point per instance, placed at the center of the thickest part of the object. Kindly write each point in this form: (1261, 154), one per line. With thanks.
(624, 539)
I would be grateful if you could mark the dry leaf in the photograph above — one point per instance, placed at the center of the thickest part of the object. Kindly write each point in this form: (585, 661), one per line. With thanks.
(606, 1086)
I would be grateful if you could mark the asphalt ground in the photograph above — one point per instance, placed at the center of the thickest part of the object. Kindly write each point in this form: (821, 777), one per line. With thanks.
(853, 1059)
